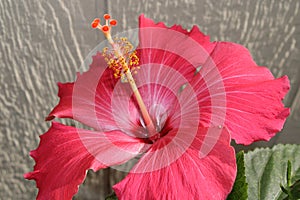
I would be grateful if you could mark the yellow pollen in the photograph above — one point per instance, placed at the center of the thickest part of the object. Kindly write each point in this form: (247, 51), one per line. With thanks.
(120, 64)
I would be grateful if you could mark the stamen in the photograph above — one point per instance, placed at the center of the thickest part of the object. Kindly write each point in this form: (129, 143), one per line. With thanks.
(123, 61)
(106, 16)
(113, 22)
(95, 23)
(105, 28)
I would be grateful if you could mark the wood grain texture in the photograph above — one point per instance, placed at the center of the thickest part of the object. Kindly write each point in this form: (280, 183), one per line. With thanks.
(43, 42)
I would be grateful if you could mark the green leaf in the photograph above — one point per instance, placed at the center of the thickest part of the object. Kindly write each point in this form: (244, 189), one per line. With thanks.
(289, 173)
(289, 188)
(295, 190)
(111, 197)
(266, 170)
(240, 187)
(292, 191)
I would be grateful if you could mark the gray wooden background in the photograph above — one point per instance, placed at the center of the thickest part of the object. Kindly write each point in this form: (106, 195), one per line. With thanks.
(44, 41)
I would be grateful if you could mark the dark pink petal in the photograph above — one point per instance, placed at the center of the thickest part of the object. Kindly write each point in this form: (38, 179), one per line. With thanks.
(196, 174)
(234, 91)
(92, 96)
(88, 99)
(236, 65)
(64, 107)
(172, 47)
(150, 56)
(254, 108)
(255, 111)
(202, 39)
(65, 153)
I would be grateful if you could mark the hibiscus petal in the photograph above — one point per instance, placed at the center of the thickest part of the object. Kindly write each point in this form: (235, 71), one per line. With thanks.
(88, 99)
(235, 64)
(255, 111)
(202, 39)
(232, 83)
(65, 153)
(64, 107)
(172, 47)
(92, 97)
(191, 176)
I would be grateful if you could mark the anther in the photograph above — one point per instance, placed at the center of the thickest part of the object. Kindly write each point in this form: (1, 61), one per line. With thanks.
(106, 16)
(105, 28)
(95, 23)
(113, 22)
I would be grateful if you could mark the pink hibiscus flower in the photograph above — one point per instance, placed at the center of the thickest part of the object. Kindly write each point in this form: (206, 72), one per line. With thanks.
(179, 112)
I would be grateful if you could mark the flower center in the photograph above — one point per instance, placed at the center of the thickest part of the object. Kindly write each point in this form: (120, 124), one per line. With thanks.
(160, 117)
(122, 60)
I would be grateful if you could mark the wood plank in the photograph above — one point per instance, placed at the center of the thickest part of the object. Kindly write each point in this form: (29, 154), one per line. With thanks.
(42, 42)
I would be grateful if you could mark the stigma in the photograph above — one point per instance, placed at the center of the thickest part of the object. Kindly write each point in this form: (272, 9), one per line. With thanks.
(106, 27)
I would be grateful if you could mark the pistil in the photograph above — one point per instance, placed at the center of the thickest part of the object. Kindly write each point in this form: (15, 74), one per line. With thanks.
(121, 67)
